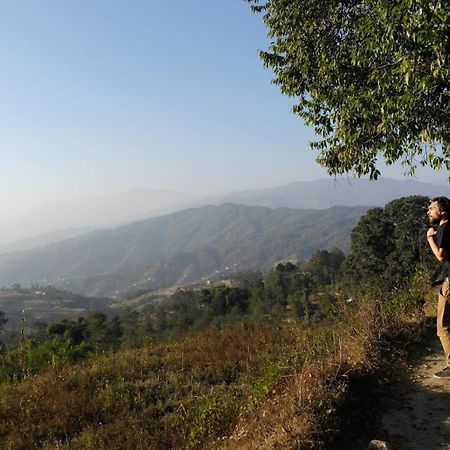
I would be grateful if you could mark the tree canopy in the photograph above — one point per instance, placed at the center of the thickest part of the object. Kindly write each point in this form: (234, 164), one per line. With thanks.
(372, 77)
(388, 243)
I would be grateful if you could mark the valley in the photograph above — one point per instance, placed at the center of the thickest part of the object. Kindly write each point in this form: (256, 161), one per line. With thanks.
(183, 247)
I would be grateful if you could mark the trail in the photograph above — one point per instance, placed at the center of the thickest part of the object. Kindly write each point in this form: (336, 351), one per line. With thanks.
(420, 416)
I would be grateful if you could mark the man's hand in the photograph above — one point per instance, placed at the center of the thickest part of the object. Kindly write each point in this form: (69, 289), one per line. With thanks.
(440, 253)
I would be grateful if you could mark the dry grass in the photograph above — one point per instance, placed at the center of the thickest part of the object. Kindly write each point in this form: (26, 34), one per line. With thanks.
(146, 398)
(300, 412)
(253, 387)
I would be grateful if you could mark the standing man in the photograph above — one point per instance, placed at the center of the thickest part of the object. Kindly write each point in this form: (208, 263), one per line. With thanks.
(438, 238)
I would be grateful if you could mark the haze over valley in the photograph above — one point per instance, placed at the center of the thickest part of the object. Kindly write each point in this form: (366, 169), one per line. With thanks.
(181, 247)
(101, 211)
(73, 218)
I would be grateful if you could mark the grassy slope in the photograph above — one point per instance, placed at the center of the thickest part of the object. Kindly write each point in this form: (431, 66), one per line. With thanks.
(256, 387)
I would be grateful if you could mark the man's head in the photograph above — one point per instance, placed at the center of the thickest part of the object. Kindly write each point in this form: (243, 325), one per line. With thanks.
(438, 210)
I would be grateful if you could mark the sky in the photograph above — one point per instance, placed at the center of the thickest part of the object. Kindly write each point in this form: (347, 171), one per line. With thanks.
(108, 95)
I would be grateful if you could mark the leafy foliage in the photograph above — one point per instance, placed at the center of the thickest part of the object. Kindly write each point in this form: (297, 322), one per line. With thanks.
(251, 298)
(325, 266)
(388, 244)
(69, 340)
(372, 77)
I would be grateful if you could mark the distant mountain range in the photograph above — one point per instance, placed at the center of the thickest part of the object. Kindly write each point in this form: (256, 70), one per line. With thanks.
(140, 204)
(181, 247)
(325, 193)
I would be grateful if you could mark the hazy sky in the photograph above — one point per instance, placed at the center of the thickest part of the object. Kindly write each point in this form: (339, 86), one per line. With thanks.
(106, 95)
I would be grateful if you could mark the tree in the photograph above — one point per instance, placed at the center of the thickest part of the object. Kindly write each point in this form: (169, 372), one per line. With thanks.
(372, 77)
(114, 332)
(133, 323)
(75, 330)
(297, 303)
(39, 331)
(372, 241)
(277, 285)
(324, 266)
(387, 244)
(97, 328)
(337, 257)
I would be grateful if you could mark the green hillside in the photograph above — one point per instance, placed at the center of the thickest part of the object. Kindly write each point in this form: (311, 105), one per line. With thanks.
(182, 247)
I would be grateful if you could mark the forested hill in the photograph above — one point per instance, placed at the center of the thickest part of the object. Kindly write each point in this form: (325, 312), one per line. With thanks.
(182, 247)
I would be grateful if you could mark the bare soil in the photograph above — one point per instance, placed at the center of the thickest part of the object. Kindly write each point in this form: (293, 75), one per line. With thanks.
(419, 416)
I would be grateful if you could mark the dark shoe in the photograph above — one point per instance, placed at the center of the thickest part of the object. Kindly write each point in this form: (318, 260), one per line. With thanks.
(445, 373)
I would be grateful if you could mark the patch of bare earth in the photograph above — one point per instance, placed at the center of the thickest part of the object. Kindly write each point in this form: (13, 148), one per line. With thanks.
(419, 418)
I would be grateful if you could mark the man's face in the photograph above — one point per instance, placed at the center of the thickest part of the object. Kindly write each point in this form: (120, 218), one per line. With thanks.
(434, 213)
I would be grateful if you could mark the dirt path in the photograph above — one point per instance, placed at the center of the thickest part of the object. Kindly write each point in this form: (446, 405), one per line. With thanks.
(420, 418)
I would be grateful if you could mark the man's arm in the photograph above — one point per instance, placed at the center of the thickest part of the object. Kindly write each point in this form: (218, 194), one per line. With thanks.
(440, 253)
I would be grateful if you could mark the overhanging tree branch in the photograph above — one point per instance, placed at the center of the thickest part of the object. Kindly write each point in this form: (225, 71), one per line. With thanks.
(371, 77)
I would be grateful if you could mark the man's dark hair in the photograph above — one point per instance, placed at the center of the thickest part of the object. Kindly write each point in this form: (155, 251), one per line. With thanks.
(443, 203)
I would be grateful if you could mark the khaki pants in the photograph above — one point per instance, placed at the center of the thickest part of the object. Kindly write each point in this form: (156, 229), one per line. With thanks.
(443, 319)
